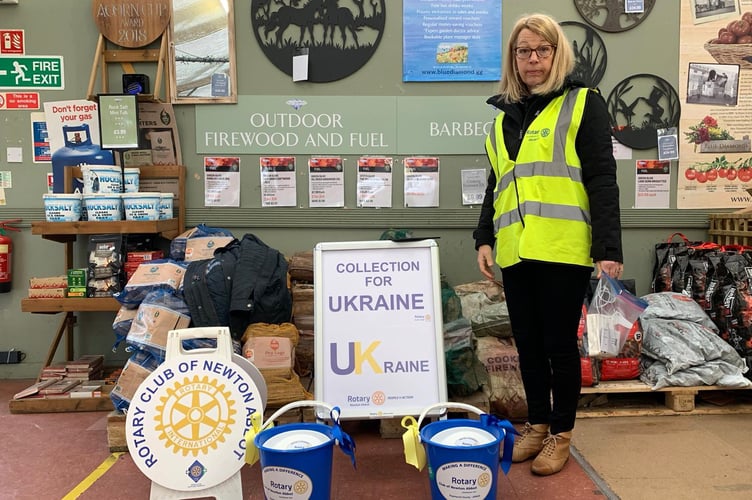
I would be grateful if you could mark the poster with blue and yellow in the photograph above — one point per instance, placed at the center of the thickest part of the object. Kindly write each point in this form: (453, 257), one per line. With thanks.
(451, 40)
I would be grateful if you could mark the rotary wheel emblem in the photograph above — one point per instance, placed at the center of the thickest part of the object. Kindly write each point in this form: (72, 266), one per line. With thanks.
(300, 487)
(484, 480)
(195, 415)
(378, 398)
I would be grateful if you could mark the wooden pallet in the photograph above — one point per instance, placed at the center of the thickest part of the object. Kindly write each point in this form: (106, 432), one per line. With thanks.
(62, 405)
(116, 431)
(731, 228)
(632, 398)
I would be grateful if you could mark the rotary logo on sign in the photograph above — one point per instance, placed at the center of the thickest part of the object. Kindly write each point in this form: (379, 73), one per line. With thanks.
(187, 421)
(195, 415)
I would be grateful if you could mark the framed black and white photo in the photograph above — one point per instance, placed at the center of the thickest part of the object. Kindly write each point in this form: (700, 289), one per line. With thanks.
(705, 11)
(713, 84)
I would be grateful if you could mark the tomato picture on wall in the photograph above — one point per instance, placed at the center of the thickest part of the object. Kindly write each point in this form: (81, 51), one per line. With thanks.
(339, 35)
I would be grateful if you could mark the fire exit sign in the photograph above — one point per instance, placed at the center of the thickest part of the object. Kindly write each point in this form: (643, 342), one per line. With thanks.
(31, 72)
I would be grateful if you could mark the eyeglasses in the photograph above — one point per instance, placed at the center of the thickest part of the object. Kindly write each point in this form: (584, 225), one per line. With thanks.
(543, 52)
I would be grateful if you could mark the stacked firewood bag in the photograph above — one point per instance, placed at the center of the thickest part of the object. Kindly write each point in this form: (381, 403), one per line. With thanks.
(484, 308)
(301, 278)
(271, 348)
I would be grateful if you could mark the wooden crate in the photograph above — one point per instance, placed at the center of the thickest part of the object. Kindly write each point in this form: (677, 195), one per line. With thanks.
(632, 398)
(733, 228)
(296, 415)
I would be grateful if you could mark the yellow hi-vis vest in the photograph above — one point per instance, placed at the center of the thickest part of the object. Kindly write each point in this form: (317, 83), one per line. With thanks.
(541, 209)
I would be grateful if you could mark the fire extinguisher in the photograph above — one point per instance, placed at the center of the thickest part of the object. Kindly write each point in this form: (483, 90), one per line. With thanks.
(6, 250)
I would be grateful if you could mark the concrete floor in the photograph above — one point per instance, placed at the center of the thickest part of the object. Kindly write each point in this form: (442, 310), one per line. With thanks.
(670, 457)
(65, 455)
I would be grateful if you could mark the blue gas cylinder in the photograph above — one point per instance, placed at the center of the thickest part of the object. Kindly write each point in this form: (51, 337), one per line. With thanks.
(78, 150)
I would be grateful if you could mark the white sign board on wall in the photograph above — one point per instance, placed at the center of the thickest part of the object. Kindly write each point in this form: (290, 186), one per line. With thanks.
(378, 327)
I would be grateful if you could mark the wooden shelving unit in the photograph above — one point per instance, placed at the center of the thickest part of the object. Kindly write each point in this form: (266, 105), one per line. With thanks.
(72, 304)
(63, 232)
(68, 232)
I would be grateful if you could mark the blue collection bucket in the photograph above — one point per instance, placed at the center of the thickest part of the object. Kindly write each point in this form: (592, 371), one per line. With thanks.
(296, 459)
(463, 454)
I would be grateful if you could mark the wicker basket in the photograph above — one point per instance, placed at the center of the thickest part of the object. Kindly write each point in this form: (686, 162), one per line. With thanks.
(730, 53)
(731, 228)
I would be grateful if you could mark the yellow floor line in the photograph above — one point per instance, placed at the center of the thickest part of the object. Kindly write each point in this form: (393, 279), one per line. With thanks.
(91, 478)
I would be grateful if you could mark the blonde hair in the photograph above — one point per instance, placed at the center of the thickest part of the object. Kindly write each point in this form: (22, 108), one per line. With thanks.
(511, 87)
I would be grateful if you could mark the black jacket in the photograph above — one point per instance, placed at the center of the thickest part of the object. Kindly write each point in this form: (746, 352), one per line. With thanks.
(593, 145)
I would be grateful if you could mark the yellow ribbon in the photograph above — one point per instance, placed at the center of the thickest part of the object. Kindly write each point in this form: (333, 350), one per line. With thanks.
(251, 452)
(415, 454)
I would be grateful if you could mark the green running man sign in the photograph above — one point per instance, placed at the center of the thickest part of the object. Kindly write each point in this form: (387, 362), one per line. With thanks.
(31, 72)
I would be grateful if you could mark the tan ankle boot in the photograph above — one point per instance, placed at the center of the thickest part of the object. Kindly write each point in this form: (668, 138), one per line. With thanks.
(554, 454)
(530, 441)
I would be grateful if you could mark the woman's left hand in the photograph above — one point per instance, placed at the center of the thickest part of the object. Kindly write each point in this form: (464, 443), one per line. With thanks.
(612, 268)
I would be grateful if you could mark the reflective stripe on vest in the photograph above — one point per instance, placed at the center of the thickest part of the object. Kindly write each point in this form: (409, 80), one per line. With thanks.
(541, 209)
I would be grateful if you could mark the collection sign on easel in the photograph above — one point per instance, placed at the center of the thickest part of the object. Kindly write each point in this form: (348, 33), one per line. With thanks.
(379, 334)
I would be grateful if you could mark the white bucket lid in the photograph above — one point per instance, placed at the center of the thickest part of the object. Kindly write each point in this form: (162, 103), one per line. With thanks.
(103, 168)
(166, 195)
(297, 439)
(61, 196)
(92, 196)
(132, 170)
(463, 436)
(141, 194)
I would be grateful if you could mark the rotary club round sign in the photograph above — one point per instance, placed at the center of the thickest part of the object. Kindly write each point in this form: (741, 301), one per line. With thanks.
(187, 421)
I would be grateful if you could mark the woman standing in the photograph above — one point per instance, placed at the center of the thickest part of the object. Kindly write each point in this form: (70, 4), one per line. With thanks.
(551, 210)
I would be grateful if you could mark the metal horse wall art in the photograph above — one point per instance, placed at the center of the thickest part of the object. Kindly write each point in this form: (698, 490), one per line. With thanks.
(340, 35)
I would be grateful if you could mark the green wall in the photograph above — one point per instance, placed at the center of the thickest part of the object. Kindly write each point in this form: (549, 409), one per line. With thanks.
(66, 27)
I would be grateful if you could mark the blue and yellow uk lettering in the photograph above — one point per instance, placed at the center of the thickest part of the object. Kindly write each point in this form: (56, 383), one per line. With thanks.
(356, 356)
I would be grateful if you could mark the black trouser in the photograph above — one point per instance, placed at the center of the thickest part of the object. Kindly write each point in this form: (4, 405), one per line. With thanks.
(545, 304)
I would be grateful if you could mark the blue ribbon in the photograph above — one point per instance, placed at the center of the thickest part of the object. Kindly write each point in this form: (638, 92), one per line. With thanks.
(509, 432)
(346, 443)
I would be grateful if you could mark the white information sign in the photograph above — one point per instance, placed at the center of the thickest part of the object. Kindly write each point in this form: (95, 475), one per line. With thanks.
(278, 184)
(378, 324)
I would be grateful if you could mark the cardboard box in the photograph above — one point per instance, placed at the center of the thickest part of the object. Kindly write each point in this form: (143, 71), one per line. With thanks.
(47, 293)
(49, 282)
(138, 257)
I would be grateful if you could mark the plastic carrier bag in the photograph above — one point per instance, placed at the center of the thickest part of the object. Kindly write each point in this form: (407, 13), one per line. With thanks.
(612, 315)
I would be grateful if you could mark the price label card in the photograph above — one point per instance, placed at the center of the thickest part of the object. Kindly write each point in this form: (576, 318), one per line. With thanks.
(118, 122)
